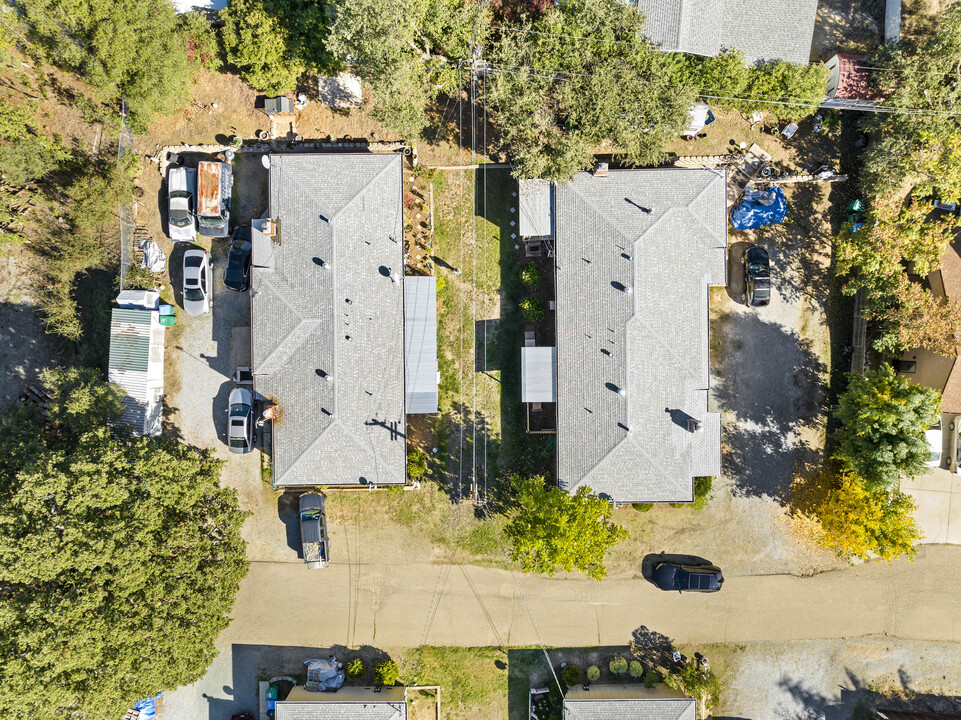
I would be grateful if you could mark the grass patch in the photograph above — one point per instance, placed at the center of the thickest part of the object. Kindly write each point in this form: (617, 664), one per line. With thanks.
(472, 680)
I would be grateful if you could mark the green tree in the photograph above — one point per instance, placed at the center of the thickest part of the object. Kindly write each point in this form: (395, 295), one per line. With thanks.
(883, 417)
(701, 684)
(618, 665)
(416, 464)
(571, 675)
(356, 669)
(552, 530)
(29, 158)
(115, 552)
(131, 48)
(593, 673)
(578, 78)
(200, 37)
(259, 41)
(532, 309)
(858, 522)
(386, 672)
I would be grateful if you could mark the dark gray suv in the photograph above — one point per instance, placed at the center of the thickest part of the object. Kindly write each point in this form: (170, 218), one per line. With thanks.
(688, 578)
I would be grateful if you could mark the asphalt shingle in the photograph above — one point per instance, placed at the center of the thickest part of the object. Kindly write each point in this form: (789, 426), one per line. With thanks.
(642, 709)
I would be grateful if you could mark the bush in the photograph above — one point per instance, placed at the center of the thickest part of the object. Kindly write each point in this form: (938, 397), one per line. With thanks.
(643, 507)
(696, 683)
(618, 665)
(138, 278)
(532, 309)
(571, 675)
(416, 464)
(636, 669)
(530, 275)
(386, 673)
(356, 669)
(651, 678)
(201, 41)
(593, 673)
(702, 491)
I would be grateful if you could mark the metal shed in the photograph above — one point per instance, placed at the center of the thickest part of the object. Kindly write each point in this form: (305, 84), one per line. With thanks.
(420, 343)
(278, 105)
(137, 365)
(539, 374)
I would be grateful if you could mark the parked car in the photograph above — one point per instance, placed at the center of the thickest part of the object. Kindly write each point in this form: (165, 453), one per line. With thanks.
(196, 284)
(215, 181)
(240, 431)
(757, 276)
(237, 272)
(688, 578)
(181, 191)
(313, 531)
(935, 440)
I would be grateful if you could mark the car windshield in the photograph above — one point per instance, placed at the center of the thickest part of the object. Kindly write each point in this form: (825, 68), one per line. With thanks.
(180, 218)
(180, 194)
(193, 294)
(214, 221)
(239, 409)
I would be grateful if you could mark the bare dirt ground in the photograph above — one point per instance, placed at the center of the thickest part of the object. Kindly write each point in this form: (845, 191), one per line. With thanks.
(848, 26)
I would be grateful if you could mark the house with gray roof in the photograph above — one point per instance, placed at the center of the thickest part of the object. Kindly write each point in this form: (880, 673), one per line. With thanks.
(761, 29)
(348, 703)
(625, 702)
(636, 252)
(327, 319)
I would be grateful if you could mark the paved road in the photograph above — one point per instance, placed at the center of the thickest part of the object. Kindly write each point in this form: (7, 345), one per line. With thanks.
(410, 605)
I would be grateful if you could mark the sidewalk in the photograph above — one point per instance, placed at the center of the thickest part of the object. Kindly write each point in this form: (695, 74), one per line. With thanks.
(938, 495)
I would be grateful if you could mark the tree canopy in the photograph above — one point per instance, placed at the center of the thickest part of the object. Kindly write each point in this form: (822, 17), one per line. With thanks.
(551, 530)
(577, 78)
(120, 557)
(883, 418)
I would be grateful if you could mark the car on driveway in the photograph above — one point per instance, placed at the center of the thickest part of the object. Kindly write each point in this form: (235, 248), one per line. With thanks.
(688, 578)
(196, 282)
(181, 192)
(240, 430)
(237, 272)
(935, 439)
(313, 531)
(757, 276)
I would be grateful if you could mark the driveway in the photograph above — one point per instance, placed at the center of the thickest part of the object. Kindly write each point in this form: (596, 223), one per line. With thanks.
(938, 495)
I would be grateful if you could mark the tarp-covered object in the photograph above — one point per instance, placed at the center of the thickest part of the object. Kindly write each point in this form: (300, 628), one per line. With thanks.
(760, 207)
(154, 259)
(324, 675)
(147, 708)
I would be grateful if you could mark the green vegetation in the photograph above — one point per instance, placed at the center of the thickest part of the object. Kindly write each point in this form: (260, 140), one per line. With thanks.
(386, 672)
(593, 673)
(552, 530)
(882, 419)
(471, 678)
(532, 309)
(702, 494)
(651, 678)
(530, 275)
(636, 669)
(618, 665)
(138, 278)
(416, 464)
(116, 550)
(571, 675)
(356, 669)
(698, 683)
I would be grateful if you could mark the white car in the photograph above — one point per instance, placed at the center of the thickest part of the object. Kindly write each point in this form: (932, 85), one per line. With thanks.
(240, 433)
(935, 441)
(197, 285)
(181, 190)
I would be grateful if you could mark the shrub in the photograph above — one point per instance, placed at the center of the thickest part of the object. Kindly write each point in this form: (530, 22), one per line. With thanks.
(530, 275)
(532, 309)
(138, 278)
(702, 491)
(697, 683)
(643, 507)
(571, 675)
(356, 669)
(416, 464)
(386, 672)
(651, 678)
(618, 665)
(636, 669)
(593, 673)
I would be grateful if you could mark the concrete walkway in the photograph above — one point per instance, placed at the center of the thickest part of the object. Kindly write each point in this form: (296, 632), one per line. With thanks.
(411, 605)
(938, 495)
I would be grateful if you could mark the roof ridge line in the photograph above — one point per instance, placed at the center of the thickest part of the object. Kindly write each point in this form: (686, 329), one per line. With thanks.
(366, 185)
(607, 220)
(720, 175)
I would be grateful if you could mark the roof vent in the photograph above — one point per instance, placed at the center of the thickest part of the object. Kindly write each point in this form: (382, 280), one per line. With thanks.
(619, 390)
(694, 426)
(395, 277)
(268, 228)
(601, 169)
(627, 289)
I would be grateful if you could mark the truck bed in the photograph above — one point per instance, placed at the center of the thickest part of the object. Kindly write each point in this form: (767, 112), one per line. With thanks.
(208, 189)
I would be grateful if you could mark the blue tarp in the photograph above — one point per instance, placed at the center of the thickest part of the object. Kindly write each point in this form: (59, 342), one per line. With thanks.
(147, 708)
(760, 207)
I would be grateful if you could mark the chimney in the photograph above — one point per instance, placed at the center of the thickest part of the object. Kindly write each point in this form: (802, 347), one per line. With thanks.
(694, 426)
(268, 228)
(600, 169)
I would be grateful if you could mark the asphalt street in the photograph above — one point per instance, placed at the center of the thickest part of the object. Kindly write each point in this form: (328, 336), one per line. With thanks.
(391, 605)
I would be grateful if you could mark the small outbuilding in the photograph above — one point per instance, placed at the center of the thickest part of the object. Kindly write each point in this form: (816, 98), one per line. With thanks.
(279, 106)
(137, 359)
(420, 343)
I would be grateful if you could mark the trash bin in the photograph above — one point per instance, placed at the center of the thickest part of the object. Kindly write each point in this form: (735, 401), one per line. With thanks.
(168, 320)
(271, 693)
(166, 309)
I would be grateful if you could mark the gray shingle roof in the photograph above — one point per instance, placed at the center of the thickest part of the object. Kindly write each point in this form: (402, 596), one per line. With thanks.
(632, 366)
(761, 29)
(345, 320)
(420, 343)
(646, 709)
(341, 711)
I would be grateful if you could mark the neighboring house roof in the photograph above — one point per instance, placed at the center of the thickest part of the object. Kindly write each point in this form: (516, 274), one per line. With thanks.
(332, 710)
(640, 709)
(850, 78)
(539, 374)
(137, 365)
(761, 29)
(420, 343)
(327, 319)
(536, 203)
(635, 252)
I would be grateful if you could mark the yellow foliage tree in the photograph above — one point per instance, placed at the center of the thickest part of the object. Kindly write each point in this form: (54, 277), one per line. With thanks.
(861, 523)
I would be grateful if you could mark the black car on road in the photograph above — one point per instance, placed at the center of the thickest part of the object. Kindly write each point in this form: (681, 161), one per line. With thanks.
(237, 272)
(757, 276)
(688, 578)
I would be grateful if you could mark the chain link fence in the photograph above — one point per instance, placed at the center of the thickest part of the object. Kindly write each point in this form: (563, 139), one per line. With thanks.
(125, 211)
